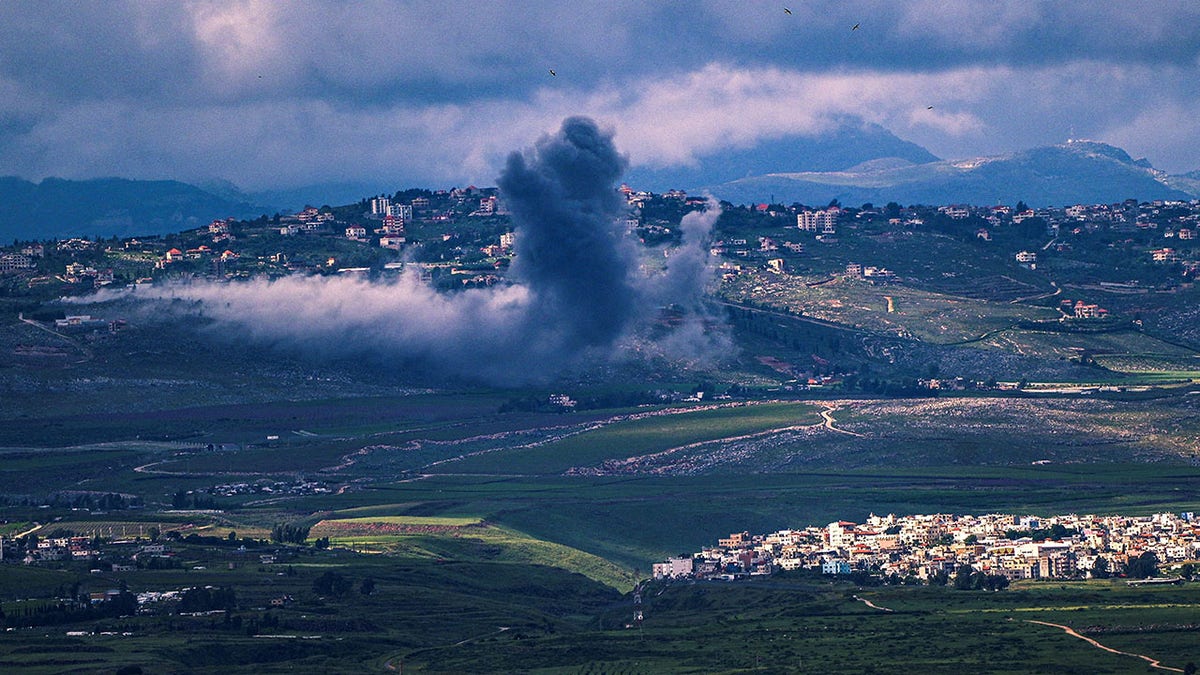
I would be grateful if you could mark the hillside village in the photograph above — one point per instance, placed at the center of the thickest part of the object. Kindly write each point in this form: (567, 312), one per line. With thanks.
(933, 548)
(465, 234)
(464, 238)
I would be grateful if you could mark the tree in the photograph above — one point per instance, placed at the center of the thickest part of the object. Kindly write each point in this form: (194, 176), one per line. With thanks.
(206, 599)
(1143, 567)
(1100, 568)
(331, 583)
(287, 533)
(964, 579)
(994, 582)
(367, 586)
(153, 532)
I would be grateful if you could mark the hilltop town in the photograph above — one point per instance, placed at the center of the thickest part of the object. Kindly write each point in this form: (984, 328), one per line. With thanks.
(1077, 270)
(465, 234)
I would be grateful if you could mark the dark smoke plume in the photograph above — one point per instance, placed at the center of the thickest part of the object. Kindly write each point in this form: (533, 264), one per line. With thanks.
(576, 295)
(569, 254)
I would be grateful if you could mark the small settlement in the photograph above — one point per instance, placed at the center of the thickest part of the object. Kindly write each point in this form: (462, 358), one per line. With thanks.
(926, 547)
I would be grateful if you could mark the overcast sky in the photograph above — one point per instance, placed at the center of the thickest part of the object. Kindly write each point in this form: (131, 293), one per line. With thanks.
(280, 94)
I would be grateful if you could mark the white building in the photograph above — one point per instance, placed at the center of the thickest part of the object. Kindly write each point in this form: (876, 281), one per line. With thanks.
(402, 211)
(674, 567)
(13, 262)
(381, 206)
(817, 221)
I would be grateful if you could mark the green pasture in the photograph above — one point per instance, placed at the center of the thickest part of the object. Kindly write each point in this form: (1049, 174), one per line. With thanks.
(489, 544)
(452, 617)
(408, 520)
(252, 422)
(807, 624)
(640, 519)
(1165, 365)
(415, 604)
(636, 437)
(923, 314)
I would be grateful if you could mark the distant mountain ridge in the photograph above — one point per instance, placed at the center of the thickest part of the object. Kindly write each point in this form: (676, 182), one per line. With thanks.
(849, 165)
(852, 142)
(1075, 172)
(57, 208)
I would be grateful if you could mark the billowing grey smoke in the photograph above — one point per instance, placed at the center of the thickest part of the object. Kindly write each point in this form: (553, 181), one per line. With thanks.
(563, 202)
(576, 295)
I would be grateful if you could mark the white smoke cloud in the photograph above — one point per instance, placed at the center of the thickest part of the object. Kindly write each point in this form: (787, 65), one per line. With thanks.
(576, 297)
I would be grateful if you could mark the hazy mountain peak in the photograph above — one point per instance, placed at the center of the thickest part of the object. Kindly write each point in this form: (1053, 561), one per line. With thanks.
(881, 164)
(850, 143)
(1099, 148)
(1077, 172)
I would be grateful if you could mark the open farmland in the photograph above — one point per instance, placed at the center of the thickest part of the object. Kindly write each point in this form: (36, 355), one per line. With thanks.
(447, 538)
(828, 627)
(646, 434)
(915, 313)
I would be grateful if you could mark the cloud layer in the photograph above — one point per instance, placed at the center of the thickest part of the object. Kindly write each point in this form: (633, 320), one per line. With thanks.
(274, 94)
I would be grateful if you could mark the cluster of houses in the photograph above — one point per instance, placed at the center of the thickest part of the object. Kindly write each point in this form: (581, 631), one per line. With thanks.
(927, 546)
(1082, 310)
(269, 487)
(1176, 220)
(871, 273)
(384, 221)
(129, 553)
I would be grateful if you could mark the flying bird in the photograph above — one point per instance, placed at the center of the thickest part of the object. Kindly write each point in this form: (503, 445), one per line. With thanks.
(787, 11)
(855, 27)
(553, 73)
(929, 108)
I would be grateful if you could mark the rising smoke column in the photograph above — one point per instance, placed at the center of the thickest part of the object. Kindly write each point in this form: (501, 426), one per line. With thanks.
(575, 295)
(568, 250)
(701, 336)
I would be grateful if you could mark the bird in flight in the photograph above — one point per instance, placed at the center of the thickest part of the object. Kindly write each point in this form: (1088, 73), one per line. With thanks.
(787, 11)
(552, 72)
(855, 27)
(929, 108)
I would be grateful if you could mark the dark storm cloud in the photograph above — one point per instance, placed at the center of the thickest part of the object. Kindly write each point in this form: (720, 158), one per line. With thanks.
(271, 94)
(374, 53)
(577, 295)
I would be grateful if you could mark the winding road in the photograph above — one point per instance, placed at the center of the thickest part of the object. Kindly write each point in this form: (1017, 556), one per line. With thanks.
(872, 605)
(827, 415)
(1154, 663)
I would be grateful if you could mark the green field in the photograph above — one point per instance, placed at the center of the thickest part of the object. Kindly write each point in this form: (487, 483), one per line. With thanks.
(638, 437)
(443, 616)
(509, 540)
(804, 625)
